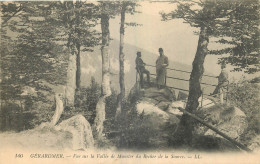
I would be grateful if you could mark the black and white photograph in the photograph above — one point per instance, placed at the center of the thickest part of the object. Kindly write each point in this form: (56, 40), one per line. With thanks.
(120, 81)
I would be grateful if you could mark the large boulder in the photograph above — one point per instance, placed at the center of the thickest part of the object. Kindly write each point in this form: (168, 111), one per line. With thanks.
(210, 143)
(182, 96)
(39, 138)
(229, 120)
(155, 113)
(73, 134)
(153, 105)
(165, 93)
(162, 98)
(161, 124)
(159, 107)
(81, 131)
(254, 144)
(173, 108)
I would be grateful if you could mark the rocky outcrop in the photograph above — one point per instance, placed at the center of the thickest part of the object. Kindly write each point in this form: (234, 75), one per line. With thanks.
(182, 96)
(81, 131)
(162, 98)
(229, 120)
(155, 112)
(73, 134)
(153, 105)
(210, 143)
(254, 144)
(173, 108)
(159, 107)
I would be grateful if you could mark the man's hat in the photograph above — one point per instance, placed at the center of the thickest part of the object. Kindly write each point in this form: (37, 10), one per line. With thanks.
(138, 53)
(160, 50)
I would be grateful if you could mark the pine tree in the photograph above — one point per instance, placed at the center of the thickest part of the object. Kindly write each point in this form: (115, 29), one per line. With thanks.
(31, 61)
(32, 52)
(214, 18)
(240, 34)
(75, 22)
(38, 53)
(67, 24)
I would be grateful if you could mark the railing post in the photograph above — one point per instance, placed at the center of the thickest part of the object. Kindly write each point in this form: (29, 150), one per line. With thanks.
(165, 79)
(227, 93)
(221, 96)
(137, 82)
(136, 76)
(202, 97)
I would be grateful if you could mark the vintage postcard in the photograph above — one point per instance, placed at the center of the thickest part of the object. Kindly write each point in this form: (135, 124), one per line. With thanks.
(130, 81)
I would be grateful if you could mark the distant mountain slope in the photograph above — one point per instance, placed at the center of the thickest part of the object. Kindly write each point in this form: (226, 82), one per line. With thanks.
(92, 66)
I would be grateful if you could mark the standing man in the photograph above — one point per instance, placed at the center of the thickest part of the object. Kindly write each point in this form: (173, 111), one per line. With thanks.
(222, 80)
(141, 69)
(161, 64)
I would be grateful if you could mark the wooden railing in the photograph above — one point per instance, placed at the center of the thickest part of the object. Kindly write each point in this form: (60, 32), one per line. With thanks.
(204, 96)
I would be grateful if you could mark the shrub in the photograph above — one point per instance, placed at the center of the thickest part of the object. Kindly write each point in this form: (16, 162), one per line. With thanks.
(13, 118)
(86, 100)
(245, 95)
(134, 131)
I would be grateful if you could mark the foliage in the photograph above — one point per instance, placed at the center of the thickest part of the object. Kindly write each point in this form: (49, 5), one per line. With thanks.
(30, 53)
(213, 18)
(33, 40)
(235, 24)
(12, 118)
(109, 123)
(33, 36)
(246, 96)
(33, 64)
(75, 22)
(134, 131)
(111, 106)
(86, 101)
(242, 36)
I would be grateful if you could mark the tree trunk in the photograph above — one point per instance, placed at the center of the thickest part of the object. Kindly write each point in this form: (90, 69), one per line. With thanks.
(58, 111)
(71, 72)
(195, 92)
(71, 81)
(197, 71)
(105, 87)
(121, 102)
(78, 70)
(77, 103)
(78, 45)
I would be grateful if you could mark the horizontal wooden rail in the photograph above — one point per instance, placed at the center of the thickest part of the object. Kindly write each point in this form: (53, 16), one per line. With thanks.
(178, 88)
(209, 84)
(170, 77)
(181, 71)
